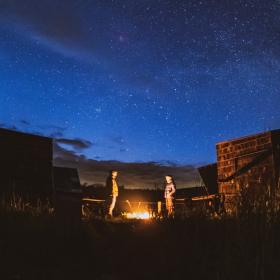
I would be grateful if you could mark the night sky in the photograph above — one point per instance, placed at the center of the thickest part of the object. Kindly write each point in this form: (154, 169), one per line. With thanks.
(140, 81)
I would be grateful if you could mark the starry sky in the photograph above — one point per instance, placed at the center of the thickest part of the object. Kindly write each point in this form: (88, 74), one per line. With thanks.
(140, 81)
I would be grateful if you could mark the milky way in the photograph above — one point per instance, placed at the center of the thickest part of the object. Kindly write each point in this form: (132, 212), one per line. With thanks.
(141, 80)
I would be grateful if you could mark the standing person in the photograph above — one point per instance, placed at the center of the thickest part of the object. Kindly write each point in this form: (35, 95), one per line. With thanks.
(112, 187)
(170, 189)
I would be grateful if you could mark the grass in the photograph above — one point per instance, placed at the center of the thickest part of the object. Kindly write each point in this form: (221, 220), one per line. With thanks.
(40, 246)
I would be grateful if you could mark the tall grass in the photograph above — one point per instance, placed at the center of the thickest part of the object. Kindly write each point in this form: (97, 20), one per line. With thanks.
(36, 245)
(14, 203)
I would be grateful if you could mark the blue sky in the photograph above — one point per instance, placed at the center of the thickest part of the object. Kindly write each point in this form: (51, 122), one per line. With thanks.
(141, 81)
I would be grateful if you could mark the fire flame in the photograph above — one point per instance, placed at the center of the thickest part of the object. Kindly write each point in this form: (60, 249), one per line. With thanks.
(138, 215)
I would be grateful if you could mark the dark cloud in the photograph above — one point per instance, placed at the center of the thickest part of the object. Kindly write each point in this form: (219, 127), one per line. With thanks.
(76, 144)
(24, 122)
(62, 153)
(132, 175)
(51, 131)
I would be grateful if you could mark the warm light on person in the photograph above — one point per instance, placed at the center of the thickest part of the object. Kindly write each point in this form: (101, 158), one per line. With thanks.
(112, 185)
(169, 192)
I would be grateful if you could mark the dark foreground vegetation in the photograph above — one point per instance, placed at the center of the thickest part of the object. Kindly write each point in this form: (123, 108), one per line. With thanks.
(36, 245)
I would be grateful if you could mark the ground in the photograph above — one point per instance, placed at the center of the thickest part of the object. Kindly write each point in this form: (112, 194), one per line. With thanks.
(196, 248)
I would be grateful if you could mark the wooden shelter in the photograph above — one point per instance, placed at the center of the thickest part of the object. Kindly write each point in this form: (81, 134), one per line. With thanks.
(68, 194)
(249, 163)
(26, 164)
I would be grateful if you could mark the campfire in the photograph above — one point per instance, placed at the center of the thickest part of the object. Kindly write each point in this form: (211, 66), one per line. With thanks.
(138, 211)
(138, 215)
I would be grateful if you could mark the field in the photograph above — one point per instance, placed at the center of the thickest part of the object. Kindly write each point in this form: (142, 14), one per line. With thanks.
(39, 246)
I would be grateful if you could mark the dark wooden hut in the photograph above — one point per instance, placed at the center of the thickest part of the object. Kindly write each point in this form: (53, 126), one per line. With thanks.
(68, 194)
(26, 164)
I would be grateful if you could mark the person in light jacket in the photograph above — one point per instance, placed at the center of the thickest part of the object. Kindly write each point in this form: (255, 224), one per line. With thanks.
(170, 189)
(113, 190)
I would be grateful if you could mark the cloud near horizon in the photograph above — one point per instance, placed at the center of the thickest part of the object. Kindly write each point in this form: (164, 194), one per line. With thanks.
(77, 143)
(68, 152)
(131, 175)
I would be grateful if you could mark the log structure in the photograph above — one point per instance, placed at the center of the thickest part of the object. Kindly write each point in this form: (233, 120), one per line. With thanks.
(251, 163)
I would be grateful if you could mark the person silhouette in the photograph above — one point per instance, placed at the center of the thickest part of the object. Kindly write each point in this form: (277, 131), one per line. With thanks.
(170, 189)
(113, 190)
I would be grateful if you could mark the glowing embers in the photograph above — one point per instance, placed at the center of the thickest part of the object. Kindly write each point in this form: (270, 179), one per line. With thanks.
(138, 210)
(138, 215)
